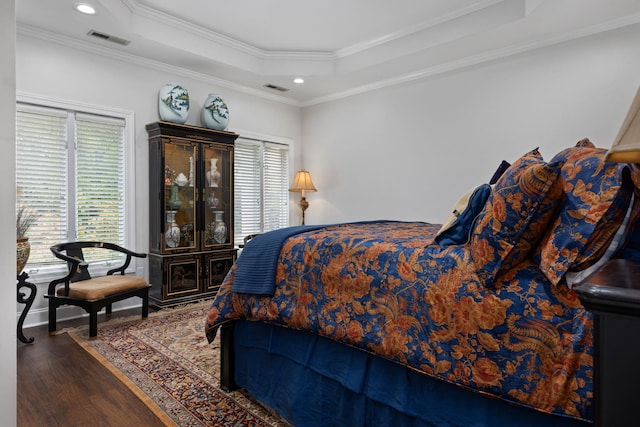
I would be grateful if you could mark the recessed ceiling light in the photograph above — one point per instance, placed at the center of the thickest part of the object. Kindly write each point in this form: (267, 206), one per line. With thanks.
(298, 80)
(85, 8)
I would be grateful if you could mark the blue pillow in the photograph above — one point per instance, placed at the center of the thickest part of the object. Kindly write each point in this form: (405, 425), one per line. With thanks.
(504, 165)
(455, 231)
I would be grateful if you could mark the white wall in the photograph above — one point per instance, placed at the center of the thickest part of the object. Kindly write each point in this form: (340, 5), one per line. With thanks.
(49, 70)
(8, 193)
(408, 152)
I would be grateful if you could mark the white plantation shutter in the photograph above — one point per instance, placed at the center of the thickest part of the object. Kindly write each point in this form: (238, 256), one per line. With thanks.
(261, 178)
(70, 173)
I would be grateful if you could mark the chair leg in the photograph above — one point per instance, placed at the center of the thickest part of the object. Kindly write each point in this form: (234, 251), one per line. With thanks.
(52, 315)
(145, 305)
(93, 322)
(108, 310)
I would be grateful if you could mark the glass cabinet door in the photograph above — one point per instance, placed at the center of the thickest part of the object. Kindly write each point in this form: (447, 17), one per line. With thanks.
(217, 194)
(180, 190)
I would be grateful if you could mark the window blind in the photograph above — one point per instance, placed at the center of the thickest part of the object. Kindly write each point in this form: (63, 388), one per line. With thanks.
(70, 173)
(41, 177)
(276, 186)
(261, 178)
(99, 178)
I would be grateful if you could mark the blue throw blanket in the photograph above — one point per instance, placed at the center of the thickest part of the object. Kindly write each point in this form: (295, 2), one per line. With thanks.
(256, 265)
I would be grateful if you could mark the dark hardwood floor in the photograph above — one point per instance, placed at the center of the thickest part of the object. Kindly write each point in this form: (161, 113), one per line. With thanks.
(60, 384)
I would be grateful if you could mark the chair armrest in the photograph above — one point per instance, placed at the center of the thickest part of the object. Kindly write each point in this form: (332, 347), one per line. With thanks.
(74, 263)
(69, 259)
(126, 251)
(127, 261)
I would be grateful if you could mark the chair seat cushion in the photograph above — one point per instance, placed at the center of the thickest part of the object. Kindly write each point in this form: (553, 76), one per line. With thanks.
(101, 287)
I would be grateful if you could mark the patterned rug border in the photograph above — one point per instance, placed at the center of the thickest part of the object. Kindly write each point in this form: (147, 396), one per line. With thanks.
(150, 333)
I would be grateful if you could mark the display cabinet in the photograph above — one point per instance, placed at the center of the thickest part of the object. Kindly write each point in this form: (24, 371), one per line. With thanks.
(191, 211)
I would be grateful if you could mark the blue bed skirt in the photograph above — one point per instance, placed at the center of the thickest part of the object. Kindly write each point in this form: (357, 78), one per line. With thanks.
(313, 381)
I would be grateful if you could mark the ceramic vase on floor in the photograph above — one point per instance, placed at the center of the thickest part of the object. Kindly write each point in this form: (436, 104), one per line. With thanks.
(215, 114)
(173, 103)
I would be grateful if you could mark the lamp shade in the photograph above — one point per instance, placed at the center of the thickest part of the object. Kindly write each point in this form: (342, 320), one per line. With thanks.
(302, 182)
(626, 146)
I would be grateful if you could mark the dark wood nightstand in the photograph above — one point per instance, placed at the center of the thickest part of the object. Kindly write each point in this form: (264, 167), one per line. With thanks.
(612, 294)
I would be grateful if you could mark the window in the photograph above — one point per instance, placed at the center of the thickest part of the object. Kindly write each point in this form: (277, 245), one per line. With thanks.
(71, 171)
(261, 187)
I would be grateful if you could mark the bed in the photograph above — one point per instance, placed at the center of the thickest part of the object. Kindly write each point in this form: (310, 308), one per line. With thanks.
(411, 323)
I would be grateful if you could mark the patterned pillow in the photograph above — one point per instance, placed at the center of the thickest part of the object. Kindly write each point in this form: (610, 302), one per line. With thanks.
(515, 215)
(594, 202)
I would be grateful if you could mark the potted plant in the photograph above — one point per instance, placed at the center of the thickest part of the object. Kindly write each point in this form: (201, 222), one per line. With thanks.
(25, 218)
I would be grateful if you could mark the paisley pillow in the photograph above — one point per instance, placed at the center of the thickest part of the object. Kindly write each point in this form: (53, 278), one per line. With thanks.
(595, 198)
(515, 216)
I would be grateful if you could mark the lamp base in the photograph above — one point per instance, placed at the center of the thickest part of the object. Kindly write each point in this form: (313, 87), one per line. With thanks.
(303, 205)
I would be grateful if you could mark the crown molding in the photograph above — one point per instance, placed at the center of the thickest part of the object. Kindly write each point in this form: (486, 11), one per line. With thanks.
(145, 62)
(479, 59)
(406, 32)
(165, 28)
(323, 57)
(180, 24)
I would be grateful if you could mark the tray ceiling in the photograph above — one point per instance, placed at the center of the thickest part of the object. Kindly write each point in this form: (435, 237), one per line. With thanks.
(339, 47)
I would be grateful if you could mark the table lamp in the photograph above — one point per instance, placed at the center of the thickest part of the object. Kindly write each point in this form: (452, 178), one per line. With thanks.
(301, 183)
(626, 146)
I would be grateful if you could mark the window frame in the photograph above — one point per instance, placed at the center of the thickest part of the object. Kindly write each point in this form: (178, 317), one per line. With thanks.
(47, 273)
(289, 142)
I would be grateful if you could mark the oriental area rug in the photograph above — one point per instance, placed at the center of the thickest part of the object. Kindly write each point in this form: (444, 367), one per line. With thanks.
(167, 362)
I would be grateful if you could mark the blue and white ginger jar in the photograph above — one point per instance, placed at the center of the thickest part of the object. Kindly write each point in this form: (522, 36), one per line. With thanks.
(215, 114)
(173, 103)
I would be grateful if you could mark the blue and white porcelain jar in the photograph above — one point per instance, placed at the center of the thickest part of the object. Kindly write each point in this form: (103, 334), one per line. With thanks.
(173, 103)
(215, 114)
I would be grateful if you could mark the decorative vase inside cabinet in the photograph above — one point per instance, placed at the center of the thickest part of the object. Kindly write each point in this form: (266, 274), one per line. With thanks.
(174, 199)
(213, 175)
(215, 113)
(172, 235)
(219, 228)
(173, 103)
(213, 201)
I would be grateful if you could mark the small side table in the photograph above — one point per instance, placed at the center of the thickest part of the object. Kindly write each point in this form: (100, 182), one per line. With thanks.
(612, 294)
(28, 301)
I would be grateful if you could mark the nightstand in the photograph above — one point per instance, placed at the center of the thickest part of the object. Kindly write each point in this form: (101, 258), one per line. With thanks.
(612, 294)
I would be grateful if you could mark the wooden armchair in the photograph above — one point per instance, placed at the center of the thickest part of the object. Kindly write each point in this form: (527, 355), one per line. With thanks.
(92, 294)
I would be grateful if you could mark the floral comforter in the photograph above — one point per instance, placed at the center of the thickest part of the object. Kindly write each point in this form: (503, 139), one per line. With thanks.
(387, 288)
